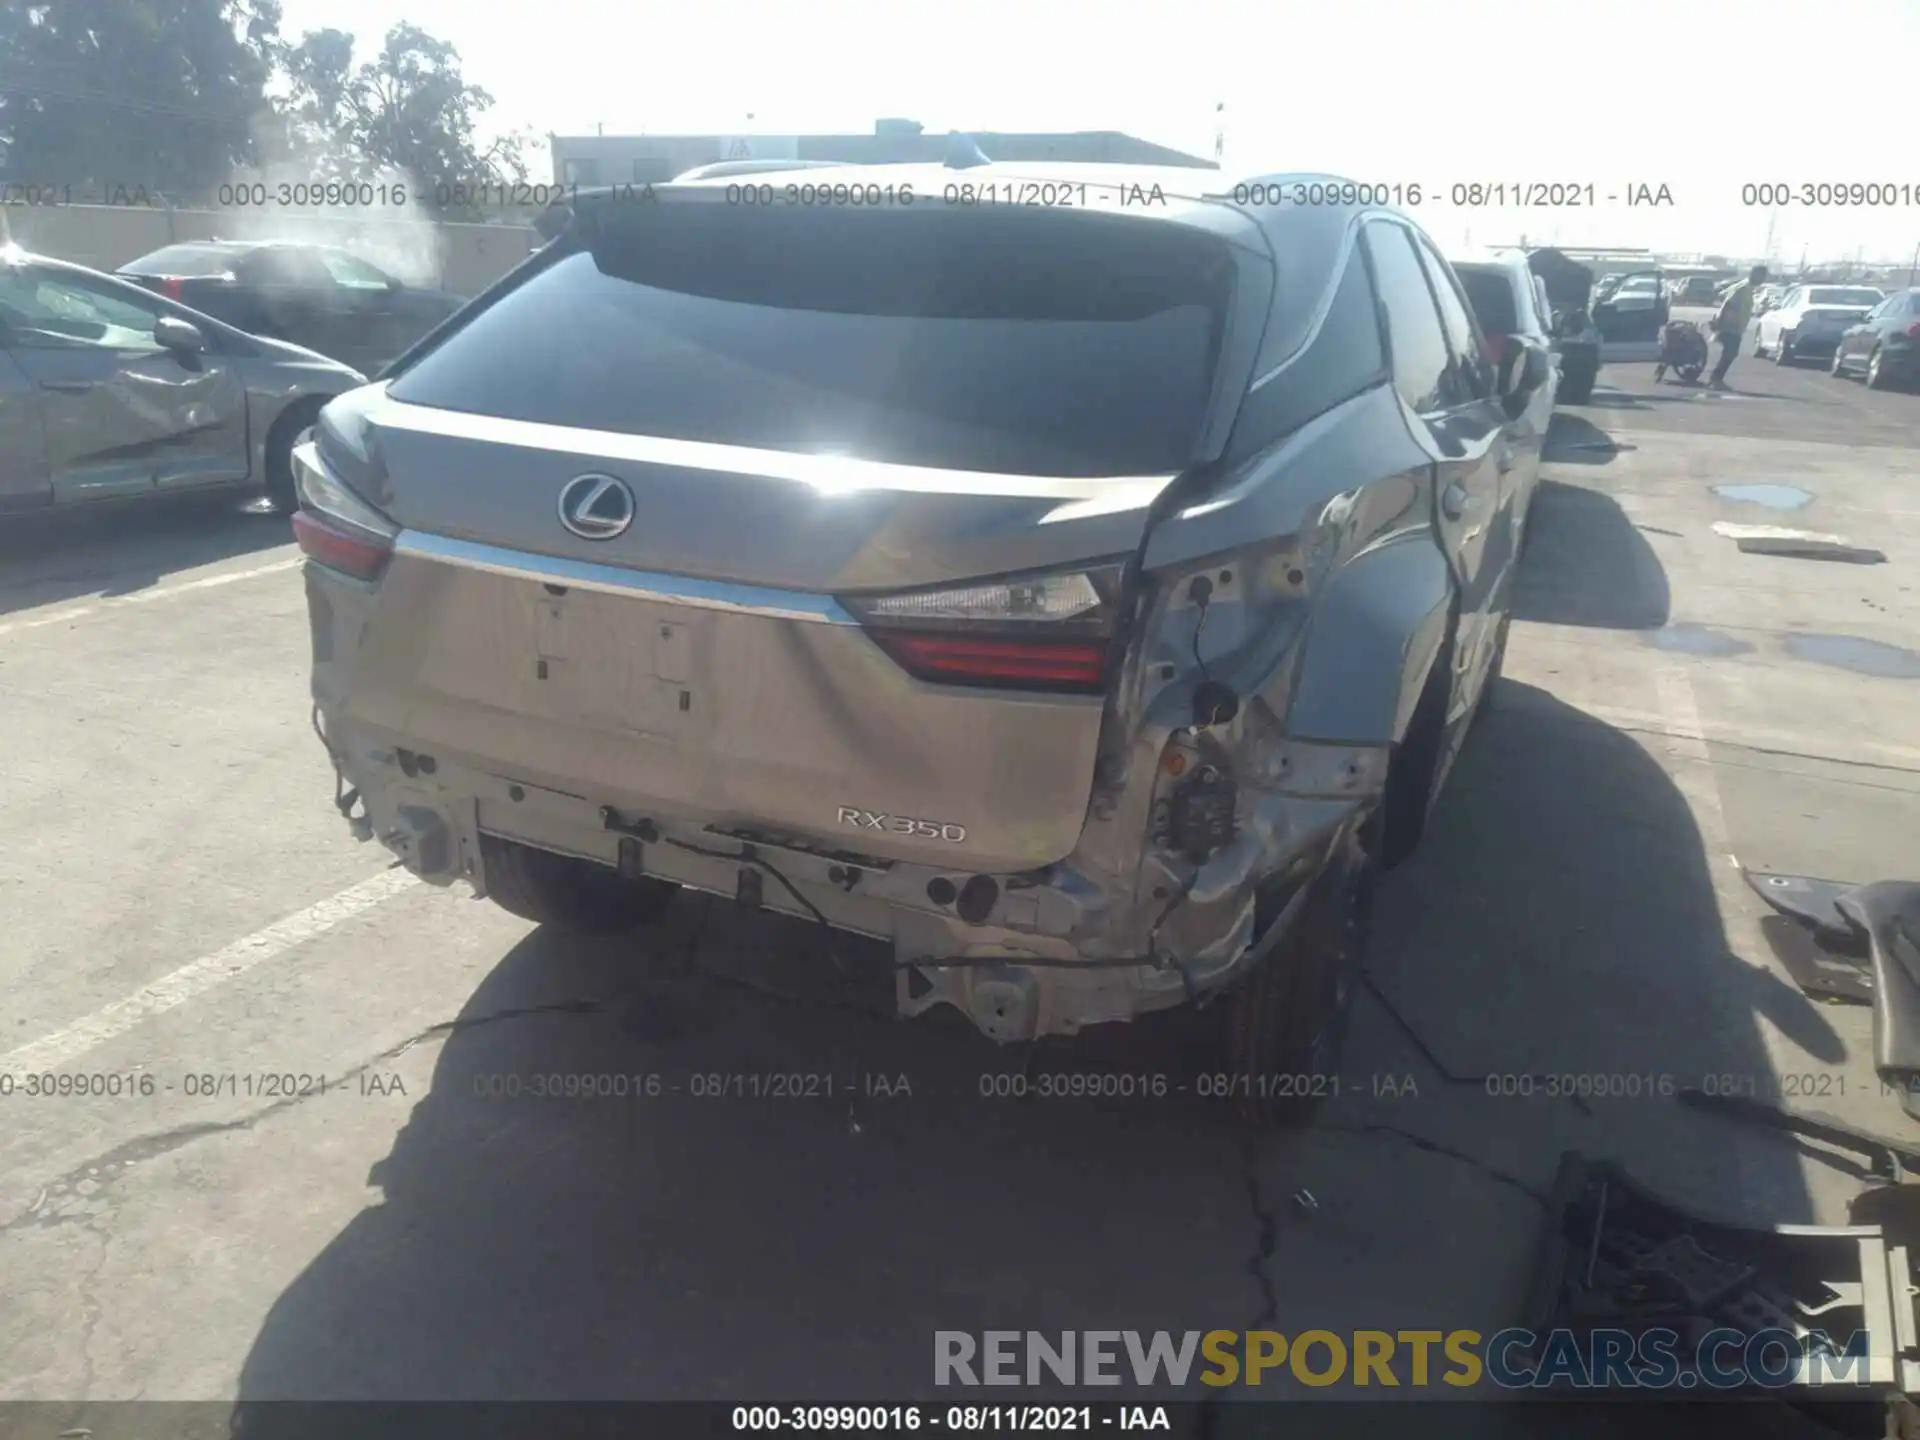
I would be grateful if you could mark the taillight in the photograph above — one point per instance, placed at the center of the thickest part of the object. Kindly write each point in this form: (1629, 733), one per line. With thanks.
(1913, 330)
(1033, 632)
(334, 526)
(171, 286)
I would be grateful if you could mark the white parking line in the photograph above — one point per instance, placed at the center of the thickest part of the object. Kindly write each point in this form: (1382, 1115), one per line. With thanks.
(142, 597)
(202, 975)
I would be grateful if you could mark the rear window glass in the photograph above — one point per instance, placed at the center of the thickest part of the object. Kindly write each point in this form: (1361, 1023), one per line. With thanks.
(1491, 295)
(1051, 342)
(182, 260)
(1828, 295)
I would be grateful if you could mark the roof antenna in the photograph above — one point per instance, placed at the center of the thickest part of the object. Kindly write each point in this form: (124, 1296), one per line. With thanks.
(962, 153)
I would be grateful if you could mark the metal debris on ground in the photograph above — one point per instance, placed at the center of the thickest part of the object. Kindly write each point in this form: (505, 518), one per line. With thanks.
(1797, 544)
(1616, 1256)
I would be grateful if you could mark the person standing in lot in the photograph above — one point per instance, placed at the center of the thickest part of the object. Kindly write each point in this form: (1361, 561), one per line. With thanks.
(1736, 313)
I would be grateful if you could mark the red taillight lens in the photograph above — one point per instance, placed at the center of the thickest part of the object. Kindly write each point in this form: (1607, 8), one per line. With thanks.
(171, 286)
(1012, 663)
(1914, 330)
(1051, 631)
(351, 552)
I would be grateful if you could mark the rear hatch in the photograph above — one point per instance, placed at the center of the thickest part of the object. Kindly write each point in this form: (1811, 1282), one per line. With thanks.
(816, 413)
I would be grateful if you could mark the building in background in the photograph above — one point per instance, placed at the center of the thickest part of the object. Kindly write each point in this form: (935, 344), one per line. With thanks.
(653, 159)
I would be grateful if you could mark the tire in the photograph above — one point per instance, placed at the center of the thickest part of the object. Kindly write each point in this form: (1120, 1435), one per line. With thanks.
(1834, 366)
(1286, 1023)
(1877, 377)
(279, 460)
(1409, 790)
(1576, 385)
(1495, 667)
(568, 893)
(1783, 351)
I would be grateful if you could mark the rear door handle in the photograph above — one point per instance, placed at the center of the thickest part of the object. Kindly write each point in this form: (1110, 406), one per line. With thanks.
(71, 387)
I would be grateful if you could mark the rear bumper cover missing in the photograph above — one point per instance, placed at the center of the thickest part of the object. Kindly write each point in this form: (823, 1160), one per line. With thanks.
(1116, 930)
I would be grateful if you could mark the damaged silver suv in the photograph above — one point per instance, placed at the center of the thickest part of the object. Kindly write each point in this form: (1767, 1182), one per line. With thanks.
(1085, 596)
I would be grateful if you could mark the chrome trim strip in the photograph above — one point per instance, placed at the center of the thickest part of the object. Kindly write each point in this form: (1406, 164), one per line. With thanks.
(832, 474)
(687, 590)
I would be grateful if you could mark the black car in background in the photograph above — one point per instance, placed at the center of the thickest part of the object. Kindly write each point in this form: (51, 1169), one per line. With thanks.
(319, 296)
(1576, 338)
(1884, 348)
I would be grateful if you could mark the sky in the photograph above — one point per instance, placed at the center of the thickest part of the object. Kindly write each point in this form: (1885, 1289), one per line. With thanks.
(1692, 95)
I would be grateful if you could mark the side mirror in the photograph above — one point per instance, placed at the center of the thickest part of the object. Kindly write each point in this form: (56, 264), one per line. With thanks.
(1522, 380)
(181, 336)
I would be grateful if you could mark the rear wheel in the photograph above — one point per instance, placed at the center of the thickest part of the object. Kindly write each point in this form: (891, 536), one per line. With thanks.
(1409, 791)
(1287, 1021)
(1837, 365)
(1576, 383)
(1877, 377)
(1783, 350)
(569, 893)
(279, 459)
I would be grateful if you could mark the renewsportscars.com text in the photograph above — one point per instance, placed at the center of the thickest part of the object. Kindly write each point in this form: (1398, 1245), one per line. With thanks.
(1656, 1359)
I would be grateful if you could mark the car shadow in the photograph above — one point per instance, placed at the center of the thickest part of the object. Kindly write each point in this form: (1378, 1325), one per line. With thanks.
(123, 548)
(1561, 920)
(1586, 563)
(1575, 440)
(718, 1241)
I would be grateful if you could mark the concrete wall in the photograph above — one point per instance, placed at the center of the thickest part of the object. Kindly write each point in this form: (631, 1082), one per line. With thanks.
(462, 258)
(640, 159)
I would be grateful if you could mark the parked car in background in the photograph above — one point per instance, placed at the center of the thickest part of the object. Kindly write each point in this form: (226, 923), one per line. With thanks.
(1089, 629)
(1510, 303)
(1810, 319)
(318, 296)
(1576, 339)
(108, 392)
(1695, 290)
(1631, 308)
(1767, 297)
(1884, 348)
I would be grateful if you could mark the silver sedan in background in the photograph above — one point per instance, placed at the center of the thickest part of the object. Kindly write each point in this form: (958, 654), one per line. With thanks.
(108, 392)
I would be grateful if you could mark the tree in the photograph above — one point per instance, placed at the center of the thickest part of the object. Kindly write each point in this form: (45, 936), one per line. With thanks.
(160, 94)
(408, 111)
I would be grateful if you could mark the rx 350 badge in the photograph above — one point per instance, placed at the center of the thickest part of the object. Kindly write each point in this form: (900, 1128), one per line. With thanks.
(902, 825)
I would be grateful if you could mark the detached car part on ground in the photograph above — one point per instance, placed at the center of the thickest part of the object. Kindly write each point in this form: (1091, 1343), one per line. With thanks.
(110, 393)
(1090, 628)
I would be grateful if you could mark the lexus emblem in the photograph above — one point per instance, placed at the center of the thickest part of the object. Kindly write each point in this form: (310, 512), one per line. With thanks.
(596, 507)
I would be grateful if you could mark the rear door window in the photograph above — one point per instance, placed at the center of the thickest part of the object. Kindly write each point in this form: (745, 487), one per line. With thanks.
(187, 261)
(1470, 377)
(1492, 297)
(286, 266)
(1032, 343)
(1421, 359)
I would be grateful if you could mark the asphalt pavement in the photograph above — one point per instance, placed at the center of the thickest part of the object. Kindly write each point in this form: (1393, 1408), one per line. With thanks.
(328, 1192)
